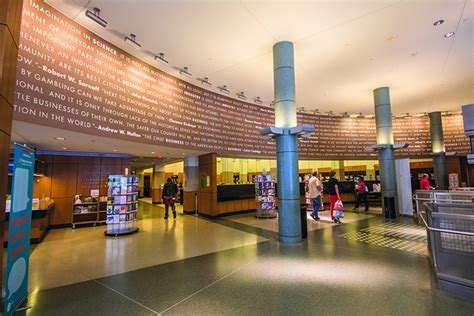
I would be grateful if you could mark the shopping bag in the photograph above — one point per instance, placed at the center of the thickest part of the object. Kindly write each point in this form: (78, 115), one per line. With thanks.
(339, 206)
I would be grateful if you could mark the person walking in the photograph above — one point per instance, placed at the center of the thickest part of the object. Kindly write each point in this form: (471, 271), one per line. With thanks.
(425, 182)
(315, 188)
(333, 193)
(362, 190)
(169, 193)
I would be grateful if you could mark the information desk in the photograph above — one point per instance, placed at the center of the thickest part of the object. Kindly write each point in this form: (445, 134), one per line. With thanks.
(39, 224)
(240, 198)
(348, 194)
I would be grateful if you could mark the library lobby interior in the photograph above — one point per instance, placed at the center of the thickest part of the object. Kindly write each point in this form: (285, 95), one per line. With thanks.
(237, 157)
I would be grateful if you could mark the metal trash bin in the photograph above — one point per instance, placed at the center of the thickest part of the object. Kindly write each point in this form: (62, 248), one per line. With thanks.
(304, 221)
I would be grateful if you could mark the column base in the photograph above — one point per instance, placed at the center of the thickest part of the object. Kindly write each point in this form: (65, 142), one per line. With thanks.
(290, 240)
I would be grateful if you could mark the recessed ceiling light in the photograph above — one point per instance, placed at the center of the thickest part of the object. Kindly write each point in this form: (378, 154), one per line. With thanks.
(153, 152)
(449, 34)
(414, 54)
(59, 138)
(64, 148)
(439, 22)
(115, 150)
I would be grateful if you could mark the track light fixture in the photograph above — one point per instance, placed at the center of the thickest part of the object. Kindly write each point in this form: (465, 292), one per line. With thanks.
(161, 57)
(257, 100)
(131, 40)
(95, 16)
(205, 80)
(224, 89)
(241, 95)
(185, 71)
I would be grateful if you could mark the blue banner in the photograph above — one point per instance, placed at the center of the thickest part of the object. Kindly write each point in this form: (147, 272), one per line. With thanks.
(19, 229)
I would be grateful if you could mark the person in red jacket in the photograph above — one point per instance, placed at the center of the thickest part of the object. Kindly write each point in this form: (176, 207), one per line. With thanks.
(425, 183)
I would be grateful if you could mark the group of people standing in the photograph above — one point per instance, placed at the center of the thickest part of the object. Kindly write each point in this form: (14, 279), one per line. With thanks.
(315, 189)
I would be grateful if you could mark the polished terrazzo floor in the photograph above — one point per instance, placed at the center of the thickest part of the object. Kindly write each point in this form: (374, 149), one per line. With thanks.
(229, 267)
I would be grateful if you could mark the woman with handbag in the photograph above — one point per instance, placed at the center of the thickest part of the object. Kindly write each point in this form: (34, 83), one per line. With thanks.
(362, 190)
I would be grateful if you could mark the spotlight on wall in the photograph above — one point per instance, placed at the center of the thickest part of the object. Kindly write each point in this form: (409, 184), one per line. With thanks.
(185, 71)
(330, 113)
(257, 100)
(301, 109)
(406, 115)
(446, 113)
(224, 89)
(316, 111)
(161, 57)
(131, 40)
(345, 114)
(241, 95)
(272, 104)
(95, 16)
(205, 80)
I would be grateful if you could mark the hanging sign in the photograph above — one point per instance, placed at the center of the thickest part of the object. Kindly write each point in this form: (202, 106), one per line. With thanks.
(19, 229)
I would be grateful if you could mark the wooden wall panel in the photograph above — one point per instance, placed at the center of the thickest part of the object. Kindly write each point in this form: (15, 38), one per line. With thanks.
(111, 161)
(207, 195)
(62, 211)
(42, 186)
(89, 160)
(65, 159)
(453, 165)
(88, 178)
(189, 201)
(64, 180)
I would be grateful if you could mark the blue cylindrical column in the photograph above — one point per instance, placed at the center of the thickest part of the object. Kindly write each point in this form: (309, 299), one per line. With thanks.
(438, 150)
(383, 122)
(287, 145)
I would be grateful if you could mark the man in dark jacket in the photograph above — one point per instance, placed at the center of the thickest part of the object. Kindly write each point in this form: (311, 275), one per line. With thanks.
(168, 195)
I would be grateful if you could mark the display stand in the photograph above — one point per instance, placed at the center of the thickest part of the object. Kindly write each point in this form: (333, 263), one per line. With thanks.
(85, 211)
(122, 205)
(265, 196)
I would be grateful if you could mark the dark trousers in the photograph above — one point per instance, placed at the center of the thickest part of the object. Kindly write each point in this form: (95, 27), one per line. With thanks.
(362, 196)
(173, 208)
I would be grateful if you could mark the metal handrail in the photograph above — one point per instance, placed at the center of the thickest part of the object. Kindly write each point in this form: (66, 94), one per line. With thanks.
(458, 232)
(441, 200)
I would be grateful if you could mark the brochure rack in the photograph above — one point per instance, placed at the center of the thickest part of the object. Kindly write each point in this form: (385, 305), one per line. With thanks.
(122, 205)
(265, 196)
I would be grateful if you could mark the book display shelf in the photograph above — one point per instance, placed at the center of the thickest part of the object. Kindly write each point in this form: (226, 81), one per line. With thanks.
(87, 210)
(265, 196)
(122, 205)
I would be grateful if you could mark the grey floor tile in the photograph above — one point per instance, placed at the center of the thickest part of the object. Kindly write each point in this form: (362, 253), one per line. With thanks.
(87, 298)
(162, 286)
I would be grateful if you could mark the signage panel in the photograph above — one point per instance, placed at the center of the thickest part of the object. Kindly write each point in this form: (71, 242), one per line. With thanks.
(19, 228)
